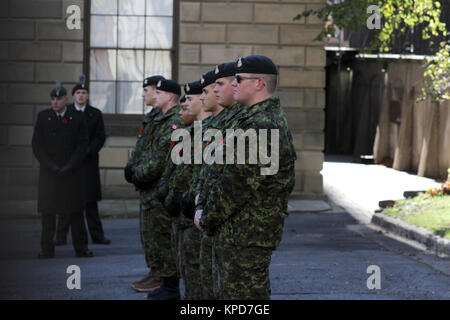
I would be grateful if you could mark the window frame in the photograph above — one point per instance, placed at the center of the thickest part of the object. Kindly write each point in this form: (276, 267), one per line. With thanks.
(127, 124)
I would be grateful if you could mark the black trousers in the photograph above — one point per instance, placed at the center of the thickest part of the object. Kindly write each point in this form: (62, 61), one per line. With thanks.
(93, 222)
(79, 238)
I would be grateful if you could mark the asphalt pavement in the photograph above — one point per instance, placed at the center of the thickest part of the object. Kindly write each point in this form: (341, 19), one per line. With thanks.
(323, 255)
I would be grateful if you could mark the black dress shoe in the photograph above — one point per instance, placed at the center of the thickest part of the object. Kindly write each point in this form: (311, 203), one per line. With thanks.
(84, 254)
(60, 242)
(102, 241)
(46, 255)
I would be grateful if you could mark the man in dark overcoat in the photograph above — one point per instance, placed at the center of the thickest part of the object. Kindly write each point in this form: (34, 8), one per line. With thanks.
(96, 131)
(59, 142)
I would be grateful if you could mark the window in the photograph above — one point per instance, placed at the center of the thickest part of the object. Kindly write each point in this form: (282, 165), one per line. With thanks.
(129, 40)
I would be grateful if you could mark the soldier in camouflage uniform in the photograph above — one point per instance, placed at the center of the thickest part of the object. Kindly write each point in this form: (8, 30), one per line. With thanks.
(245, 209)
(150, 281)
(222, 89)
(146, 175)
(186, 236)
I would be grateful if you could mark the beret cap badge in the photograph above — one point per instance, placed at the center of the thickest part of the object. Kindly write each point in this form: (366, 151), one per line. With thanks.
(239, 63)
(202, 80)
(216, 71)
(159, 84)
(187, 87)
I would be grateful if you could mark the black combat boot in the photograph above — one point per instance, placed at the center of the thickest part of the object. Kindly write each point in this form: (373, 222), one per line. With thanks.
(170, 290)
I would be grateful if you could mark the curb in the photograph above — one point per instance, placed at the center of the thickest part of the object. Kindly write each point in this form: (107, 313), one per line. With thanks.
(431, 241)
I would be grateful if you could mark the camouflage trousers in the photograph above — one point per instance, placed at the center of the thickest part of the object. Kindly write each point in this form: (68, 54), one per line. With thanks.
(188, 259)
(206, 270)
(241, 273)
(156, 238)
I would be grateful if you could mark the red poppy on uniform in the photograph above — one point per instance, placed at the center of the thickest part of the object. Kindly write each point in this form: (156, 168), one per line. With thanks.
(172, 143)
(150, 138)
(141, 130)
(64, 120)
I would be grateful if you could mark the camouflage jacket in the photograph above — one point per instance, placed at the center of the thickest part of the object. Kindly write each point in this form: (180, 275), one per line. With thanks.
(207, 174)
(142, 140)
(176, 184)
(244, 207)
(152, 162)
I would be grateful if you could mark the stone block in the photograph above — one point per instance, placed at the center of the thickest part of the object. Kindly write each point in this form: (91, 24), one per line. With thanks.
(17, 72)
(32, 51)
(312, 19)
(189, 53)
(35, 9)
(313, 182)
(114, 157)
(313, 140)
(192, 73)
(67, 72)
(314, 98)
(298, 140)
(202, 33)
(190, 11)
(226, 12)
(17, 30)
(4, 45)
(23, 176)
(290, 97)
(278, 13)
(216, 54)
(309, 161)
(114, 177)
(315, 57)
(16, 114)
(20, 135)
(300, 35)
(283, 56)
(3, 136)
(16, 156)
(4, 9)
(121, 142)
(252, 33)
(3, 93)
(299, 119)
(72, 51)
(50, 30)
(24, 93)
(305, 78)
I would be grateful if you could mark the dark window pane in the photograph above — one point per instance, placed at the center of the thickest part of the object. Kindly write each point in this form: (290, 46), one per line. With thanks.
(103, 31)
(130, 65)
(159, 33)
(129, 98)
(159, 7)
(103, 64)
(102, 95)
(131, 32)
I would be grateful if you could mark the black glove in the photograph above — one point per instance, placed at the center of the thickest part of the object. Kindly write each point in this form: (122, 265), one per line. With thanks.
(65, 170)
(138, 184)
(187, 207)
(53, 167)
(128, 173)
(174, 211)
(160, 193)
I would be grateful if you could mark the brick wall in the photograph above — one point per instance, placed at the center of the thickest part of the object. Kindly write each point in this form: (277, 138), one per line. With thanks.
(36, 49)
(213, 32)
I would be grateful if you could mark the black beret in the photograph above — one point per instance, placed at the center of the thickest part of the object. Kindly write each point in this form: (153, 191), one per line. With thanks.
(183, 99)
(169, 86)
(151, 81)
(193, 87)
(58, 91)
(225, 70)
(256, 64)
(79, 86)
(208, 78)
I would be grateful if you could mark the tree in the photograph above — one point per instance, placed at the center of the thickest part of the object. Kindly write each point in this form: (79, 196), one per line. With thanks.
(398, 17)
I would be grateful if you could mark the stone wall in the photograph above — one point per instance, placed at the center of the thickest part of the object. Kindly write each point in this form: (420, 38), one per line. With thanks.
(36, 49)
(213, 32)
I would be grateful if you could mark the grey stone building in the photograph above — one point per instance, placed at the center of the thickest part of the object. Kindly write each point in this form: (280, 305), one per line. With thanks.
(118, 42)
